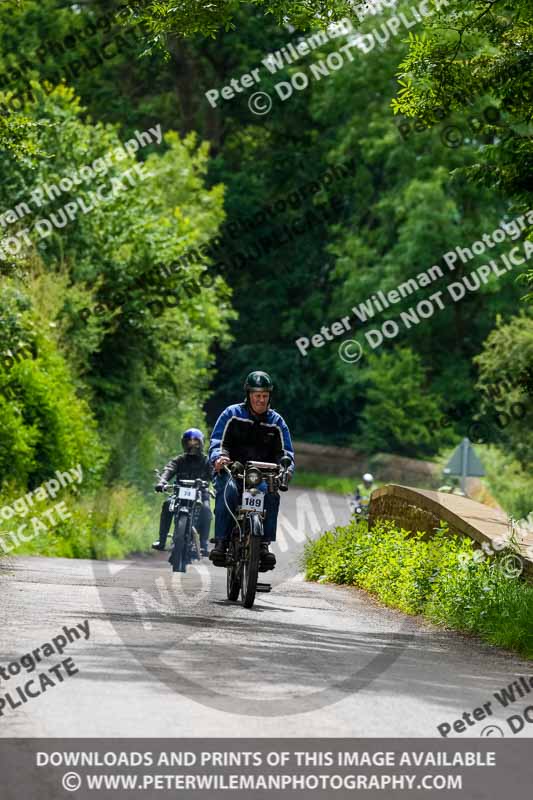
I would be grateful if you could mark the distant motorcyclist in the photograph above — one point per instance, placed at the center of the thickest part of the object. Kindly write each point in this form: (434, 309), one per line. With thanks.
(364, 492)
(452, 486)
(190, 465)
(248, 431)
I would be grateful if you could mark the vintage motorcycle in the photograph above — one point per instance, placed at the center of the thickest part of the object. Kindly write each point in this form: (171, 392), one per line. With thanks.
(185, 503)
(360, 507)
(254, 479)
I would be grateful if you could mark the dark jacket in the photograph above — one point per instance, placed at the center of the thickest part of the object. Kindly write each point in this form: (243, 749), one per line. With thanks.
(243, 436)
(188, 467)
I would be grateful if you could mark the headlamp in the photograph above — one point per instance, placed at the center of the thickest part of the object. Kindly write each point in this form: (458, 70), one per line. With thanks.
(253, 477)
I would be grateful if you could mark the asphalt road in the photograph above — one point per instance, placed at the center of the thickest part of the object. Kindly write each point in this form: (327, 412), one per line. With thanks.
(168, 655)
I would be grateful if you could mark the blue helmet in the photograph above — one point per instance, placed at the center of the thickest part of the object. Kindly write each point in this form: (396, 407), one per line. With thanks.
(192, 433)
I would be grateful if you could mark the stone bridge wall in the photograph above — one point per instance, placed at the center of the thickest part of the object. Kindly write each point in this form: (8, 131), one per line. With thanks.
(348, 463)
(423, 510)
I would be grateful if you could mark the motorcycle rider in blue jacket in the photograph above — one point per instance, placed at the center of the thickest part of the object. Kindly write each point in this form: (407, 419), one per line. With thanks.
(248, 431)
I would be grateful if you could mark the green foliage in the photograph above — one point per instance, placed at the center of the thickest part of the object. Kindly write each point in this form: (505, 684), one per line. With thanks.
(364, 231)
(17, 137)
(509, 481)
(468, 51)
(111, 370)
(46, 426)
(401, 413)
(396, 566)
(108, 524)
(391, 215)
(161, 17)
(435, 577)
(506, 382)
(59, 425)
(479, 598)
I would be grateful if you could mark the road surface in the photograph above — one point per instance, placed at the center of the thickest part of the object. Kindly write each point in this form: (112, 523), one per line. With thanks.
(168, 655)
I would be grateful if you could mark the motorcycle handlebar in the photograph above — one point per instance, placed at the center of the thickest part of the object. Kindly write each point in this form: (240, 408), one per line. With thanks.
(233, 470)
(170, 488)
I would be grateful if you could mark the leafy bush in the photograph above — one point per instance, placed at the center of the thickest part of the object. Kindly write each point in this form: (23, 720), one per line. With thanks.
(429, 576)
(46, 426)
(480, 598)
(505, 366)
(510, 483)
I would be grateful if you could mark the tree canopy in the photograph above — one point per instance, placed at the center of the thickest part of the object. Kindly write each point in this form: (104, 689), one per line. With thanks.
(221, 236)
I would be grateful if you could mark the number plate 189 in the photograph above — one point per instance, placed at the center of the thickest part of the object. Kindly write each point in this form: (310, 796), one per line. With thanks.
(254, 501)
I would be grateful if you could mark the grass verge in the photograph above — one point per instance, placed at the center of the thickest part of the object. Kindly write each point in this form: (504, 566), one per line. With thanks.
(429, 577)
(325, 483)
(112, 523)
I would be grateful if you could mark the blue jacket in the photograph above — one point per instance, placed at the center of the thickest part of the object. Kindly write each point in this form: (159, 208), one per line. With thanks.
(243, 437)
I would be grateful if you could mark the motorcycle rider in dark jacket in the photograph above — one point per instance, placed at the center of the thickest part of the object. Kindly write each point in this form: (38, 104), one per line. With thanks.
(190, 465)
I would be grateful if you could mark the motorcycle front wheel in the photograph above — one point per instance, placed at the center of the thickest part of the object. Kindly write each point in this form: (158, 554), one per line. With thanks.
(253, 539)
(178, 555)
(234, 571)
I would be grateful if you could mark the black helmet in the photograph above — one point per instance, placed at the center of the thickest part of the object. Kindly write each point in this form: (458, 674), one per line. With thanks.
(258, 380)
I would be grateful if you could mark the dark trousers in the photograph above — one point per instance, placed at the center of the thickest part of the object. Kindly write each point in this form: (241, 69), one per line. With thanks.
(202, 523)
(226, 488)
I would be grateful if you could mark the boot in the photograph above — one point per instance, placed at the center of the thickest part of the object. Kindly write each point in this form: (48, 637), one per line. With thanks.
(158, 545)
(267, 560)
(218, 553)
